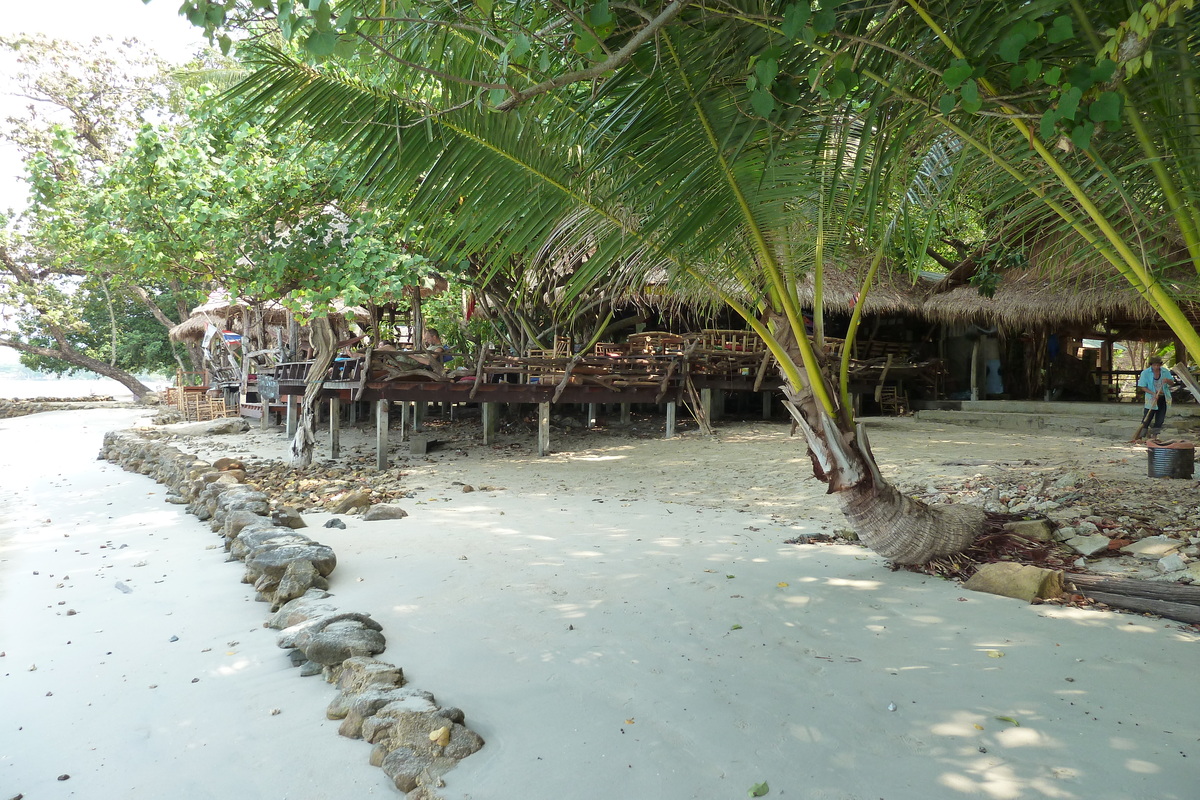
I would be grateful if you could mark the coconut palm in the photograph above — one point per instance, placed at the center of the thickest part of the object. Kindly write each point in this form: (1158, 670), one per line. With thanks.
(739, 148)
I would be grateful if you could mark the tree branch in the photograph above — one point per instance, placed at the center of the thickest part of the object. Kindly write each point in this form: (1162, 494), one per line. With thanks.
(612, 62)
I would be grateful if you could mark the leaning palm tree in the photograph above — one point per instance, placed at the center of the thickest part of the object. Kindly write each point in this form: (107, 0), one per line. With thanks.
(682, 143)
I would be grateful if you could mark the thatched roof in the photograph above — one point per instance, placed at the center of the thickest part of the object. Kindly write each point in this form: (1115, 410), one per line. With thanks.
(1057, 288)
(191, 329)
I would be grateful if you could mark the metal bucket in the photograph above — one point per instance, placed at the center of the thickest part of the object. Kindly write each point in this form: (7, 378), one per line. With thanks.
(1170, 462)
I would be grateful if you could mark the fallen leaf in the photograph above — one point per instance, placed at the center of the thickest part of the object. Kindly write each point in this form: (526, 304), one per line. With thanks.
(782, 584)
(629, 721)
(1010, 719)
(736, 628)
(995, 654)
(728, 576)
(441, 736)
(978, 727)
(758, 789)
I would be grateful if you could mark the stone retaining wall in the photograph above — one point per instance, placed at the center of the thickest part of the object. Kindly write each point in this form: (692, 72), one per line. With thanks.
(415, 740)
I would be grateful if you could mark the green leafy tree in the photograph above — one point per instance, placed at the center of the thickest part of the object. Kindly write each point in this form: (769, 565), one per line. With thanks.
(744, 148)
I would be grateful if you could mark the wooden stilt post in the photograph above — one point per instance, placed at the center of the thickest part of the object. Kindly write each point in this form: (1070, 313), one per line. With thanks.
(591, 415)
(766, 405)
(382, 407)
(543, 429)
(292, 415)
(626, 413)
(975, 371)
(404, 425)
(335, 427)
(706, 403)
(264, 421)
(419, 416)
(488, 412)
(671, 420)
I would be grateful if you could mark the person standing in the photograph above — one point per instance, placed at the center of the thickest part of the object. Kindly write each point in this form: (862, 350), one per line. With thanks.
(1155, 383)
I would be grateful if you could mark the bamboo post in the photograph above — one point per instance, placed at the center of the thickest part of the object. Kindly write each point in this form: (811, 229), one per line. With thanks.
(382, 408)
(335, 427)
(670, 420)
(543, 429)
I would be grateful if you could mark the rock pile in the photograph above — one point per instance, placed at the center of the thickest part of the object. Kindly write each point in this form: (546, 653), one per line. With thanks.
(1113, 526)
(416, 742)
(36, 405)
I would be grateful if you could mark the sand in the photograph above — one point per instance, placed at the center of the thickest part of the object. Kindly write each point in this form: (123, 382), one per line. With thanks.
(622, 620)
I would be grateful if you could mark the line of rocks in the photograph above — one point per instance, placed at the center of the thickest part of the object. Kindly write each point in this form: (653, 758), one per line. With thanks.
(10, 408)
(415, 740)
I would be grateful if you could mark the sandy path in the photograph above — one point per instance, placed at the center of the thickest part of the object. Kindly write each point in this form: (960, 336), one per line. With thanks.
(624, 620)
(112, 701)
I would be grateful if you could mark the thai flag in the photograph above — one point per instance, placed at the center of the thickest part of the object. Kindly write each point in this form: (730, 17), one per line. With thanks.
(231, 337)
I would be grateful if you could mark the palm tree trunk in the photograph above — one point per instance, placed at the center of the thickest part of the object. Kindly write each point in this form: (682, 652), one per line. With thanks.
(893, 525)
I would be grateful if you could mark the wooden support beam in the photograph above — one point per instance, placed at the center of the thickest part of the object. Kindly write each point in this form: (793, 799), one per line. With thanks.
(543, 429)
(335, 427)
(626, 413)
(671, 420)
(488, 413)
(591, 415)
(382, 407)
(706, 403)
(975, 371)
(293, 403)
(418, 423)
(766, 405)
(404, 425)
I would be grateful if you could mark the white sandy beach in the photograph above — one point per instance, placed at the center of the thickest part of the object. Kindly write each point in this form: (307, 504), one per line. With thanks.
(623, 620)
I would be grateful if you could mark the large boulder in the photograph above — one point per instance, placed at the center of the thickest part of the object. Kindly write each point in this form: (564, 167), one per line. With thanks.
(382, 511)
(1022, 581)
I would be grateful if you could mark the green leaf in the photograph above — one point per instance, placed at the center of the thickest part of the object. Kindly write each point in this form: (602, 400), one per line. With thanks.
(766, 69)
(225, 43)
(321, 43)
(824, 21)
(1048, 125)
(795, 17)
(1106, 108)
(519, 45)
(1011, 46)
(1016, 76)
(1068, 104)
(484, 6)
(313, 5)
(1081, 136)
(971, 102)
(835, 88)
(735, 627)
(946, 103)
(586, 43)
(1061, 30)
(956, 73)
(1053, 76)
(1103, 72)
(600, 15)
(763, 104)
(752, 83)
(758, 789)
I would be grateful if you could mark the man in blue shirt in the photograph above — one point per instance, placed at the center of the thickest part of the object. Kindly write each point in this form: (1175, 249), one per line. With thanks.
(1155, 383)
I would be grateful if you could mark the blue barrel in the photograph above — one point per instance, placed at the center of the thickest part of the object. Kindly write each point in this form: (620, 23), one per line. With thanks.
(1170, 462)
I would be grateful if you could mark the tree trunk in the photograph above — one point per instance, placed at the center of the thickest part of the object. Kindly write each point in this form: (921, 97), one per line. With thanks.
(77, 359)
(321, 336)
(895, 526)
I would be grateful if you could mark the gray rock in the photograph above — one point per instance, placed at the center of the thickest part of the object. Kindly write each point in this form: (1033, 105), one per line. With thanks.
(335, 523)
(1171, 563)
(273, 561)
(1031, 528)
(1152, 547)
(288, 517)
(261, 538)
(310, 668)
(384, 511)
(215, 427)
(311, 606)
(353, 500)
(1064, 534)
(340, 641)
(1088, 546)
(298, 578)
(1068, 481)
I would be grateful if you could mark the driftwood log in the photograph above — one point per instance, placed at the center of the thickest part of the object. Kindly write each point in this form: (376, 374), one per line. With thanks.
(1171, 600)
